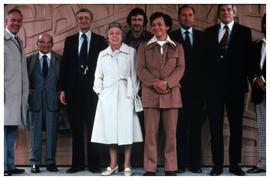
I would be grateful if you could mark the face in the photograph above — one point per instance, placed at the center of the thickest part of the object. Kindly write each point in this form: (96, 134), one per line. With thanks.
(226, 14)
(14, 22)
(115, 36)
(137, 23)
(186, 18)
(159, 28)
(45, 44)
(84, 21)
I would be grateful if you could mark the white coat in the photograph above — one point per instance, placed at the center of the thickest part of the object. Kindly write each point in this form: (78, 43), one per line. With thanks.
(116, 121)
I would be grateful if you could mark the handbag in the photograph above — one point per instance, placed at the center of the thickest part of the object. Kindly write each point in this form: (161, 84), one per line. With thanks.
(138, 103)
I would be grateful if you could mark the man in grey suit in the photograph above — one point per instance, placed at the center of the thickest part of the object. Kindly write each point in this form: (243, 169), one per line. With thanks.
(43, 70)
(15, 88)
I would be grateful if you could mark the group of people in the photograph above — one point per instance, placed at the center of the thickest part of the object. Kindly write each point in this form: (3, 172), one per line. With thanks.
(178, 75)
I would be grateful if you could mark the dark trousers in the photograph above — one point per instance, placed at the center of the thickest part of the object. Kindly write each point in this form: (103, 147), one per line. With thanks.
(234, 104)
(10, 133)
(81, 111)
(189, 134)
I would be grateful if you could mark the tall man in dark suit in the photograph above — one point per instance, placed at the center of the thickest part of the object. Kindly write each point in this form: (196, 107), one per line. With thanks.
(190, 115)
(227, 48)
(77, 76)
(43, 71)
(257, 77)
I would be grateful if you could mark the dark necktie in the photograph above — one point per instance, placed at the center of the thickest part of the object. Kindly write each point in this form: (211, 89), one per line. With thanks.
(187, 44)
(223, 44)
(17, 39)
(45, 67)
(83, 51)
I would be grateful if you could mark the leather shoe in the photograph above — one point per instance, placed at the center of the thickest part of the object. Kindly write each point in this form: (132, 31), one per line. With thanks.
(148, 173)
(181, 170)
(52, 168)
(17, 171)
(216, 171)
(195, 170)
(35, 168)
(236, 170)
(94, 170)
(256, 170)
(170, 173)
(7, 173)
(74, 170)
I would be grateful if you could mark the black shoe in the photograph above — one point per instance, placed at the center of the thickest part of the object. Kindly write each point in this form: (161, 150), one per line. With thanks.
(236, 170)
(52, 168)
(170, 173)
(35, 168)
(74, 170)
(195, 170)
(17, 171)
(181, 170)
(256, 170)
(7, 173)
(94, 170)
(148, 173)
(216, 171)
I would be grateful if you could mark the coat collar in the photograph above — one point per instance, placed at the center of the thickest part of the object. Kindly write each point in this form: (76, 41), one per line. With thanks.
(108, 51)
(153, 42)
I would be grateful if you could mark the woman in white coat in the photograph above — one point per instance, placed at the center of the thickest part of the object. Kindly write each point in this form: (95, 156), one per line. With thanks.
(116, 122)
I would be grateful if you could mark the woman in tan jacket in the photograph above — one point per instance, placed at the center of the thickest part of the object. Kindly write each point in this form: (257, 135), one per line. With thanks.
(160, 66)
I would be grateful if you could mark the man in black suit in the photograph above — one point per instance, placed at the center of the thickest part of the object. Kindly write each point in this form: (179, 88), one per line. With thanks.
(190, 115)
(227, 48)
(77, 76)
(257, 77)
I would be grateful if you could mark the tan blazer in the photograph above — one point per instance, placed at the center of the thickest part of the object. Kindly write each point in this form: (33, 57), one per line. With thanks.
(150, 65)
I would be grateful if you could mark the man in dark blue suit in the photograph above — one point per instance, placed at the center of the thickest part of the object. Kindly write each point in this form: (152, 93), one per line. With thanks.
(190, 115)
(77, 76)
(227, 58)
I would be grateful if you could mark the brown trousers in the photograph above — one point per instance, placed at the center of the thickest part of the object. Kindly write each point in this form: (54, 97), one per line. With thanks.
(152, 118)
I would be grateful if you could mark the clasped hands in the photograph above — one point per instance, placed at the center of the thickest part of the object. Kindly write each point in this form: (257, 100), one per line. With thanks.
(161, 87)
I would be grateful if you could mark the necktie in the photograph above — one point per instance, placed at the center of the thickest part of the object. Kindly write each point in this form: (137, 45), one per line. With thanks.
(45, 67)
(223, 44)
(16, 37)
(187, 44)
(83, 51)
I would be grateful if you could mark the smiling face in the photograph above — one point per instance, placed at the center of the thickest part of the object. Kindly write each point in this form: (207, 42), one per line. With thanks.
(159, 28)
(137, 23)
(45, 43)
(226, 14)
(14, 22)
(84, 21)
(186, 17)
(115, 37)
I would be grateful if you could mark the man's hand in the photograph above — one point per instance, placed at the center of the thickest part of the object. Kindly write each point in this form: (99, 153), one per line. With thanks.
(62, 98)
(260, 83)
(161, 87)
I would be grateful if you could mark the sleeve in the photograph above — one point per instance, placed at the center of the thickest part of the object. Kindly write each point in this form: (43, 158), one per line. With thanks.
(135, 81)
(98, 82)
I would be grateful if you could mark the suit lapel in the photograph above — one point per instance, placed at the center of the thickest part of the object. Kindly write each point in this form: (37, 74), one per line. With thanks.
(233, 35)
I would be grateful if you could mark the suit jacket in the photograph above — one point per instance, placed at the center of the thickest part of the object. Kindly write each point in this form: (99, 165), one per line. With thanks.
(39, 86)
(151, 66)
(227, 72)
(68, 70)
(192, 81)
(255, 69)
(16, 85)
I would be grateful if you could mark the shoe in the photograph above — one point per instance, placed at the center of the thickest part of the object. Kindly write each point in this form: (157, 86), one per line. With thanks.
(148, 173)
(127, 172)
(181, 170)
(52, 168)
(17, 171)
(170, 173)
(74, 170)
(94, 170)
(236, 170)
(216, 171)
(35, 168)
(109, 171)
(256, 170)
(195, 170)
(7, 173)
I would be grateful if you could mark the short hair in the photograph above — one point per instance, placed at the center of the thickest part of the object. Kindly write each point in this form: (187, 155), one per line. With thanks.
(233, 7)
(41, 35)
(85, 10)
(114, 25)
(167, 19)
(135, 12)
(185, 6)
(14, 10)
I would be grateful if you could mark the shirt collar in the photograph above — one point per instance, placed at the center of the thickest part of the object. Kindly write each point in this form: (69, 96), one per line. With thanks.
(88, 34)
(230, 25)
(124, 49)
(190, 30)
(40, 54)
(168, 40)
